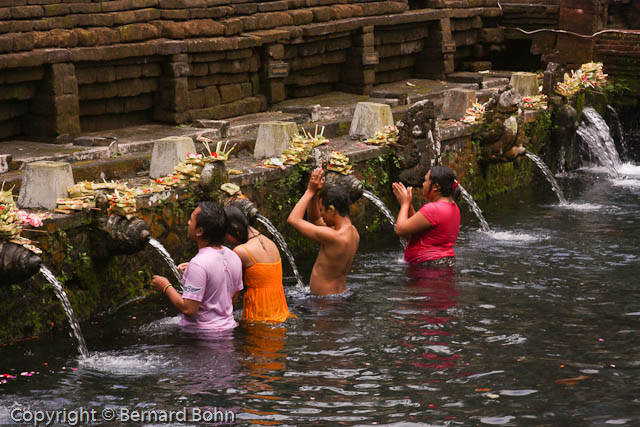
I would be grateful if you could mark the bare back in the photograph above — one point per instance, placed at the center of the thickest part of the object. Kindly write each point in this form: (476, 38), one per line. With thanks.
(329, 274)
(262, 249)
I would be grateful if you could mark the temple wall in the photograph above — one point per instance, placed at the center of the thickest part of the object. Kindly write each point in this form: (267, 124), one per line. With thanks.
(71, 67)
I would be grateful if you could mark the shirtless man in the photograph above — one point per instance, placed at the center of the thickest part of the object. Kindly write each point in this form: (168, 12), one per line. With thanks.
(329, 224)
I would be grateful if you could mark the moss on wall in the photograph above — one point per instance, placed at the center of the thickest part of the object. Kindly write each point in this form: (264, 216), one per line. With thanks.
(97, 280)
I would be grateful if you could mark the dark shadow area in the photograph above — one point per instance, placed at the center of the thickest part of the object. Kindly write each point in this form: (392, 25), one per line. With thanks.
(518, 57)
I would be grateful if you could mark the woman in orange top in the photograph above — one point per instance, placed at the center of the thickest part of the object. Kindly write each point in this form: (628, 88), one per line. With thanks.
(264, 299)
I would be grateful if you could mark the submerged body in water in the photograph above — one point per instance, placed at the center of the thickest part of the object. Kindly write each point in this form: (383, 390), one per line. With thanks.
(329, 224)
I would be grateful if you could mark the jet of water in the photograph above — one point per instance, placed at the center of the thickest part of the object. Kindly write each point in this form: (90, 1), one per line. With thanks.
(385, 211)
(547, 174)
(475, 208)
(68, 310)
(284, 248)
(594, 132)
(167, 257)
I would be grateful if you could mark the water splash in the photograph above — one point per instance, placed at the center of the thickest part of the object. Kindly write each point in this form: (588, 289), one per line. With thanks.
(68, 310)
(617, 131)
(508, 236)
(547, 174)
(595, 134)
(284, 248)
(475, 208)
(385, 211)
(167, 257)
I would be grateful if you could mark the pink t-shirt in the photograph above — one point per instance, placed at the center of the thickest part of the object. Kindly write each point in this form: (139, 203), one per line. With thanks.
(212, 278)
(438, 240)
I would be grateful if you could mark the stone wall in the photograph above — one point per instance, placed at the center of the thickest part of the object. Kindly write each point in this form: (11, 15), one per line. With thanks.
(72, 66)
(98, 276)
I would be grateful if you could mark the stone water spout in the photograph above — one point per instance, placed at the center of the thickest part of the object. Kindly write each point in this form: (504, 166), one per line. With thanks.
(17, 263)
(125, 236)
(349, 182)
(419, 141)
(245, 205)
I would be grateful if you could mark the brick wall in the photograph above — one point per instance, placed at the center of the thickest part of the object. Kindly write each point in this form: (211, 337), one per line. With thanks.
(71, 66)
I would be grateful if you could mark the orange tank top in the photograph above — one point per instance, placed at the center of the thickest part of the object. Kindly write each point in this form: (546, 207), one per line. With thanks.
(264, 299)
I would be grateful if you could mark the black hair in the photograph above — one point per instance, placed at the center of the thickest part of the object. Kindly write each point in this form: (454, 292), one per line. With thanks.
(337, 197)
(237, 223)
(446, 181)
(213, 221)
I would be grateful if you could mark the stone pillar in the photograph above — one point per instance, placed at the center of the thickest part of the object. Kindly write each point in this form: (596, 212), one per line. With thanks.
(456, 103)
(168, 152)
(172, 99)
(436, 59)
(275, 70)
(525, 83)
(273, 138)
(43, 183)
(369, 118)
(54, 112)
(358, 72)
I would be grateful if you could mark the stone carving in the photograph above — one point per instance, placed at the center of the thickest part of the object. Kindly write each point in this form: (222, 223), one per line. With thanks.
(349, 182)
(247, 207)
(420, 147)
(125, 236)
(17, 263)
(552, 75)
(502, 132)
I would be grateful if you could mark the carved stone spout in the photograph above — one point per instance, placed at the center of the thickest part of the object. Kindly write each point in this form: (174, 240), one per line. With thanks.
(418, 137)
(125, 236)
(246, 206)
(17, 263)
(349, 182)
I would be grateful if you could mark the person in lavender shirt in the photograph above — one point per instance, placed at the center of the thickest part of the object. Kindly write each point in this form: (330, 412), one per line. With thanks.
(212, 280)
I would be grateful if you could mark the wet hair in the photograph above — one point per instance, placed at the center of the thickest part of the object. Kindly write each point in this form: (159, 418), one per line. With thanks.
(337, 197)
(445, 179)
(237, 224)
(213, 221)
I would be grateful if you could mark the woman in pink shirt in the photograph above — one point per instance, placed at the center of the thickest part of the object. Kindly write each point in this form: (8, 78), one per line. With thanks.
(433, 230)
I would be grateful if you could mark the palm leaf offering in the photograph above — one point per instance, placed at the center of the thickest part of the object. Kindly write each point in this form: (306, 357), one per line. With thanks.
(388, 135)
(220, 154)
(299, 150)
(473, 114)
(231, 189)
(589, 75)
(11, 221)
(339, 162)
(123, 204)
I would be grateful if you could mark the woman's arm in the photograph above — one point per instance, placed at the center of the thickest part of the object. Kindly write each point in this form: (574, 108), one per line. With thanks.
(408, 221)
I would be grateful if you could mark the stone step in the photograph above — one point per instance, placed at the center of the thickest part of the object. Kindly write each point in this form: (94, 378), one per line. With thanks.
(494, 82)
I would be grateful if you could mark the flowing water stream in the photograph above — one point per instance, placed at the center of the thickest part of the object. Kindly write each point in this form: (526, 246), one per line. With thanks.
(284, 248)
(474, 208)
(385, 211)
(595, 134)
(535, 331)
(548, 175)
(68, 310)
(167, 257)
